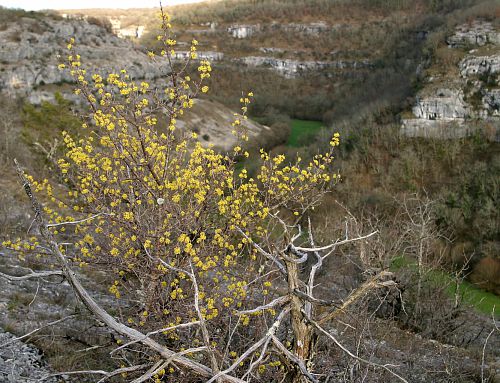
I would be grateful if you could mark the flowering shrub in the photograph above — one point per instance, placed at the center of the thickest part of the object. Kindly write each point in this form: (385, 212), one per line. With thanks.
(204, 255)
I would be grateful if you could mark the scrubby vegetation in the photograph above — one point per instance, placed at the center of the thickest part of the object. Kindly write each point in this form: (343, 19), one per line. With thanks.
(435, 204)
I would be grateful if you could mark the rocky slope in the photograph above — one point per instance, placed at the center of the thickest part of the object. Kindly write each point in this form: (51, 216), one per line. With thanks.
(31, 48)
(456, 102)
(21, 363)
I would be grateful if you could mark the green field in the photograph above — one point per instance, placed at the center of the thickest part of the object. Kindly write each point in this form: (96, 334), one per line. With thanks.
(301, 131)
(483, 301)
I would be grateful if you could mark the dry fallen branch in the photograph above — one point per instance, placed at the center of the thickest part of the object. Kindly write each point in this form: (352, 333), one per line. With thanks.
(32, 275)
(107, 374)
(360, 292)
(37, 330)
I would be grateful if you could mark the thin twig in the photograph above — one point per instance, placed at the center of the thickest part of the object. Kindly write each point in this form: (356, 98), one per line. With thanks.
(343, 348)
(278, 301)
(36, 330)
(107, 374)
(76, 222)
(254, 347)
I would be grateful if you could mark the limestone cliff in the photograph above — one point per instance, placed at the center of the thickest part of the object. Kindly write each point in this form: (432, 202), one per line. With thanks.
(458, 102)
(31, 48)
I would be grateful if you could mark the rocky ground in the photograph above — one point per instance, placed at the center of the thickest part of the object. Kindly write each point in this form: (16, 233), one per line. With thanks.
(32, 47)
(22, 363)
(27, 305)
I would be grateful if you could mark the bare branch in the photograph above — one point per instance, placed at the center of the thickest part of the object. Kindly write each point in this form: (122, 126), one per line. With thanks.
(294, 359)
(383, 366)
(259, 359)
(307, 297)
(158, 366)
(77, 222)
(254, 347)
(338, 243)
(278, 301)
(264, 253)
(41, 274)
(106, 374)
(357, 294)
(314, 269)
(201, 320)
(37, 329)
(151, 333)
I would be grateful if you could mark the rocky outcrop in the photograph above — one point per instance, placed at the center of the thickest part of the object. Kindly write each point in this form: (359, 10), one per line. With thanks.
(308, 29)
(478, 33)
(478, 65)
(443, 129)
(272, 50)
(212, 122)
(207, 55)
(445, 104)
(28, 56)
(29, 50)
(21, 363)
(453, 107)
(243, 31)
(293, 68)
(491, 101)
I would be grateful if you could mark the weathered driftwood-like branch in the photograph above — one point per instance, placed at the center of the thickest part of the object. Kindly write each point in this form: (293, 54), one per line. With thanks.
(311, 299)
(262, 341)
(32, 275)
(360, 292)
(107, 374)
(278, 301)
(201, 320)
(158, 366)
(76, 222)
(335, 244)
(151, 333)
(303, 369)
(263, 252)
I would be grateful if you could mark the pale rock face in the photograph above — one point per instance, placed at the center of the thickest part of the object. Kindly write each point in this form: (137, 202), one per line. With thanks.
(443, 129)
(212, 122)
(207, 55)
(293, 68)
(29, 53)
(243, 31)
(308, 29)
(473, 65)
(28, 60)
(444, 104)
(271, 50)
(478, 34)
(491, 102)
(450, 111)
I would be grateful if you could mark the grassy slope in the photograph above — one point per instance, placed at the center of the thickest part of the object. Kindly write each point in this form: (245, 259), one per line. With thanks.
(483, 301)
(301, 129)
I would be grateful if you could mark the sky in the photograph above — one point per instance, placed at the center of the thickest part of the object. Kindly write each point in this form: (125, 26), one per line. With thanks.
(33, 5)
